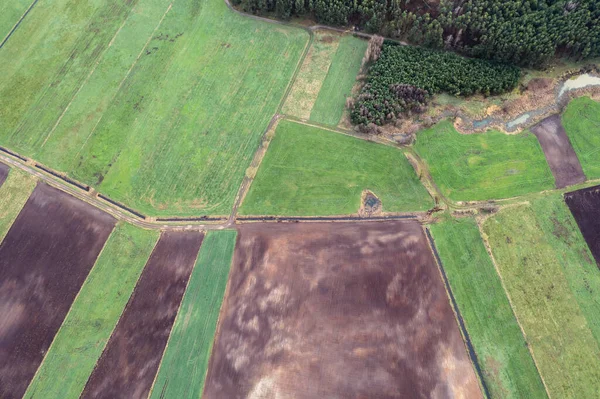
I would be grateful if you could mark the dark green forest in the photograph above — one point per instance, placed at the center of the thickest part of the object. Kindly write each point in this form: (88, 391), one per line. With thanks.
(522, 32)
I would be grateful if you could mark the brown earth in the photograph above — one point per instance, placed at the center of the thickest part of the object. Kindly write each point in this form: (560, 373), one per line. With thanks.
(4, 169)
(585, 207)
(44, 259)
(337, 310)
(559, 153)
(132, 355)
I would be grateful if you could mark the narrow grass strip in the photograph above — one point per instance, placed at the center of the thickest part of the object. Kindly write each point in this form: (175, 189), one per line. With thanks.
(508, 369)
(563, 345)
(185, 362)
(13, 194)
(330, 104)
(581, 121)
(93, 315)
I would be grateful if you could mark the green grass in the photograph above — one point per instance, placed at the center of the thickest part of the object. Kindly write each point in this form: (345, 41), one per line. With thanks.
(581, 121)
(314, 69)
(14, 193)
(10, 13)
(93, 315)
(185, 362)
(330, 104)
(168, 133)
(309, 171)
(490, 165)
(508, 369)
(556, 328)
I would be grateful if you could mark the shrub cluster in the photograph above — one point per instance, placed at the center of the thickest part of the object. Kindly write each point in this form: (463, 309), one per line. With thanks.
(404, 77)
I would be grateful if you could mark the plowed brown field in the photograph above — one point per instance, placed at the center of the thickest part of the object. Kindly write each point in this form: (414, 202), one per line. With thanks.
(585, 207)
(3, 172)
(337, 310)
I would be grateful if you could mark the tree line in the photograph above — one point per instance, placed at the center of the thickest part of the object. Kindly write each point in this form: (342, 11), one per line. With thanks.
(522, 32)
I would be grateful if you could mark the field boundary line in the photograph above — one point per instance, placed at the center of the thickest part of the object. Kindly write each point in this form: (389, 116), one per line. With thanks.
(488, 248)
(177, 315)
(461, 323)
(126, 76)
(69, 312)
(87, 78)
(18, 23)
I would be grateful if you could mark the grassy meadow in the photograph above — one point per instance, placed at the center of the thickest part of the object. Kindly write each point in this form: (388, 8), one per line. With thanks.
(491, 165)
(14, 193)
(10, 13)
(157, 104)
(311, 75)
(331, 102)
(581, 121)
(508, 368)
(552, 316)
(185, 362)
(93, 315)
(309, 171)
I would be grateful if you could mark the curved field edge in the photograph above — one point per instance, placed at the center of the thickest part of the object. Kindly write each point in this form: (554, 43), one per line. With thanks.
(14, 193)
(184, 365)
(553, 321)
(177, 146)
(483, 166)
(93, 315)
(308, 171)
(508, 369)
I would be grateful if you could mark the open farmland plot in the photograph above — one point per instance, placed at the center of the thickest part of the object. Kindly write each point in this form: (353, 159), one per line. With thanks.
(14, 192)
(581, 120)
(337, 310)
(558, 151)
(185, 361)
(341, 77)
(10, 14)
(508, 369)
(131, 358)
(158, 104)
(483, 166)
(44, 260)
(585, 207)
(540, 283)
(94, 314)
(309, 171)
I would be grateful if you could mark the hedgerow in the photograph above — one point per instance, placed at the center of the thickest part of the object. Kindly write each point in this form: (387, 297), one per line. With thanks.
(404, 77)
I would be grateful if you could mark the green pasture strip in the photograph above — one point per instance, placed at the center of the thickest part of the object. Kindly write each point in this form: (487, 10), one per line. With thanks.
(567, 355)
(185, 362)
(157, 104)
(14, 193)
(93, 315)
(490, 165)
(309, 171)
(311, 75)
(573, 255)
(10, 13)
(331, 102)
(508, 368)
(581, 121)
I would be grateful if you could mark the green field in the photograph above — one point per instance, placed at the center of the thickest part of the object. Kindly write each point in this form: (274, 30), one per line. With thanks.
(14, 192)
(309, 171)
(93, 315)
(581, 121)
(185, 362)
(10, 13)
(555, 324)
(484, 166)
(331, 102)
(157, 104)
(508, 369)
(311, 75)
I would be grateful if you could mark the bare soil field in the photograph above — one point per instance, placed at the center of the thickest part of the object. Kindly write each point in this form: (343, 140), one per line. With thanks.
(131, 358)
(337, 310)
(559, 153)
(4, 169)
(585, 207)
(44, 259)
